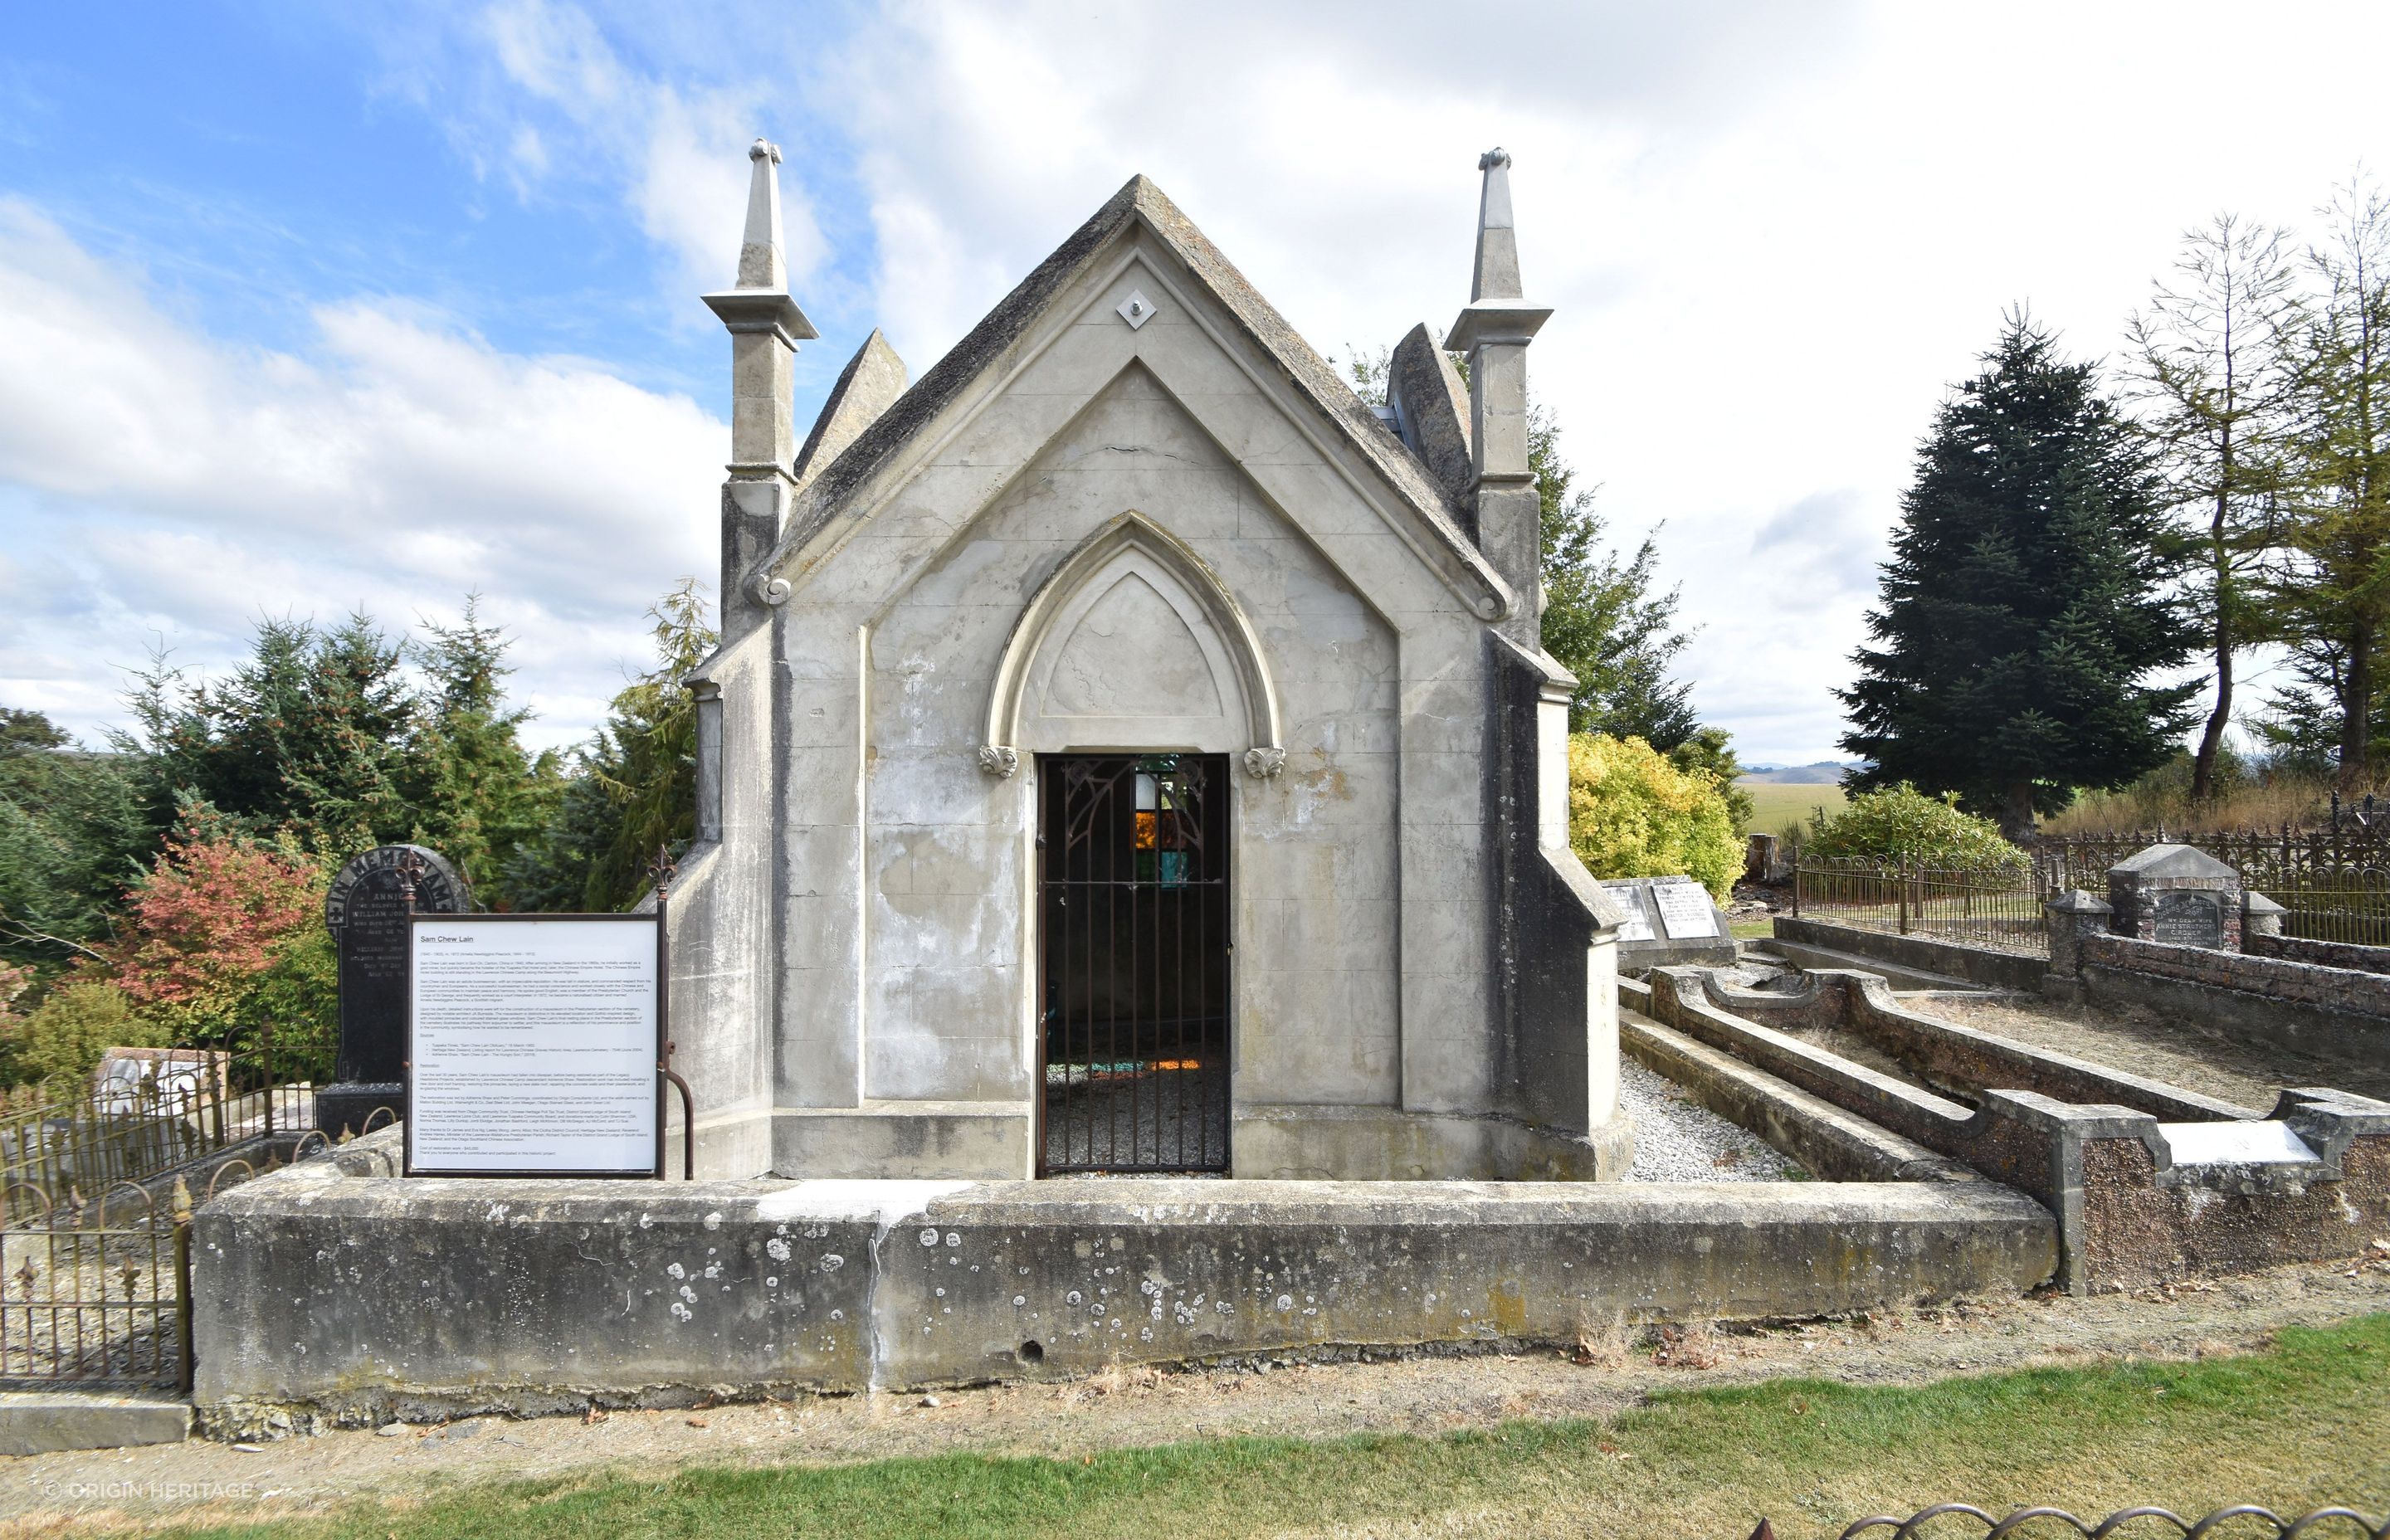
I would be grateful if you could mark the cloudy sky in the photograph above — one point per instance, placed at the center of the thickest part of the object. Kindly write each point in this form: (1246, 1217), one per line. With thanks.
(363, 306)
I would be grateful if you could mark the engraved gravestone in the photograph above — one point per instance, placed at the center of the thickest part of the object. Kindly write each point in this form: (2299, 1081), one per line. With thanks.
(366, 912)
(2188, 919)
(2176, 894)
(1669, 920)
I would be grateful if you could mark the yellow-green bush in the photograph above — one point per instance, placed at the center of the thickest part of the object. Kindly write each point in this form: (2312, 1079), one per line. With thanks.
(1900, 823)
(77, 1022)
(1633, 813)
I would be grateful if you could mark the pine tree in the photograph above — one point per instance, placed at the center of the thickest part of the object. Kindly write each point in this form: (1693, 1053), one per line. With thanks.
(1603, 620)
(476, 792)
(2024, 610)
(632, 791)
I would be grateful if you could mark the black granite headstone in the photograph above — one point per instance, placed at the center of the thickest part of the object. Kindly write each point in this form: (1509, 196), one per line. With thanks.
(366, 912)
(2189, 918)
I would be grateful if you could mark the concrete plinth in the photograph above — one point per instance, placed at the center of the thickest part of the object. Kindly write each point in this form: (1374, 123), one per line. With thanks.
(47, 1422)
(352, 1298)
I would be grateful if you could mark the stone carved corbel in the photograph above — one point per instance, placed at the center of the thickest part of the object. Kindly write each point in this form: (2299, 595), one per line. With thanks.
(998, 761)
(1264, 761)
(767, 590)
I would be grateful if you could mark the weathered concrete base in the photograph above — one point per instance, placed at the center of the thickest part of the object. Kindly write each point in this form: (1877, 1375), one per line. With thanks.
(354, 1298)
(927, 1141)
(47, 1422)
(1385, 1144)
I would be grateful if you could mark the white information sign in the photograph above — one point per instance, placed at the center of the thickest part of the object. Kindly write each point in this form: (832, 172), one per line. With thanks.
(532, 1043)
(1685, 909)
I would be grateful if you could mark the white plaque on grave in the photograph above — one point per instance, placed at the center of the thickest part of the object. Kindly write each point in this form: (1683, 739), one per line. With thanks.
(1685, 909)
(1636, 926)
(533, 1042)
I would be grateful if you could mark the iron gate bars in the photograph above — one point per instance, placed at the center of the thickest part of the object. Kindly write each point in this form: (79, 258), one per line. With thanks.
(98, 1295)
(1134, 987)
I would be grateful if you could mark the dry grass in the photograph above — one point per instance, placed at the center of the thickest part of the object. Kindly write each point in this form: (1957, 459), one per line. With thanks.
(2160, 801)
(1602, 1347)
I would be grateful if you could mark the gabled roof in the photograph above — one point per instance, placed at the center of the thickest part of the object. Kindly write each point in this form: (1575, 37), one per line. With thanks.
(1138, 200)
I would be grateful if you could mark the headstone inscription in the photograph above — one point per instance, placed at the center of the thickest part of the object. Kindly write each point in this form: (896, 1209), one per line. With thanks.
(1669, 920)
(366, 912)
(2189, 918)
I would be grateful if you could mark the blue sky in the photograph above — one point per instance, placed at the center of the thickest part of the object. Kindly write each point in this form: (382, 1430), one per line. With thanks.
(311, 308)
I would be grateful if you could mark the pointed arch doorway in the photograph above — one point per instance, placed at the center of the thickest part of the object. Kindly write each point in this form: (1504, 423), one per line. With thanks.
(1134, 976)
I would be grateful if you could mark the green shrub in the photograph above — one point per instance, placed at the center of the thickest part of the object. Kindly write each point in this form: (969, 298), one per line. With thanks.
(77, 1022)
(1633, 814)
(1901, 823)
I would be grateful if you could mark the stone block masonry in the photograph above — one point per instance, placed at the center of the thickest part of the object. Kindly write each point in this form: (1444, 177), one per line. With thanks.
(2148, 1185)
(2323, 954)
(345, 1297)
(2308, 1008)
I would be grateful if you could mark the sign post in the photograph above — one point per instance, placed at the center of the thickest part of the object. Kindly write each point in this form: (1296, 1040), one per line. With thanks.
(533, 1045)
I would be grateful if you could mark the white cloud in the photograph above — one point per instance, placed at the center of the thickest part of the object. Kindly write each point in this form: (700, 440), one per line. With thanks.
(1774, 234)
(536, 90)
(154, 479)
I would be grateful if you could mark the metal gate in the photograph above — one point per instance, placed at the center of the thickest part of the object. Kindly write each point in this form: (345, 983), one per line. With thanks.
(1133, 886)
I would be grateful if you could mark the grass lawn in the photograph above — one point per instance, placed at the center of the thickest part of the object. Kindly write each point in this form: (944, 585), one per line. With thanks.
(2300, 1425)
(1774, 806)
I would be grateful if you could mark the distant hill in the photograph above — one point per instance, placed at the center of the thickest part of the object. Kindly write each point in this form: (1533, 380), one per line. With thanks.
(1823, 773)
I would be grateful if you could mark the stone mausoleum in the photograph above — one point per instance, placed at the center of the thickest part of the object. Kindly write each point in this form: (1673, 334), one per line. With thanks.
(1130, 751)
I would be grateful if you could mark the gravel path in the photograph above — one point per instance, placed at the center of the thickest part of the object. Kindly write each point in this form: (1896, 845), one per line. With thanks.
(1677, 1139)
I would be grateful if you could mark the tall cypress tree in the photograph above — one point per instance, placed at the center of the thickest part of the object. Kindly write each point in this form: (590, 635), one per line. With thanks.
(2024, 610)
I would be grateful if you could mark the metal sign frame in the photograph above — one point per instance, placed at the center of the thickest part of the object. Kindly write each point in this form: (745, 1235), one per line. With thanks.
(663, 1036)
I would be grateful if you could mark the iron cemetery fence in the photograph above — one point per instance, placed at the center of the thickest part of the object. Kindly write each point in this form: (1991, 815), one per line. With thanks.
(1990, 906)
(97, 1294)
(97, 1178)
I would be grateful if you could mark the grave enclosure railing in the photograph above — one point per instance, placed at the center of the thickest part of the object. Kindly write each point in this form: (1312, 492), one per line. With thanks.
(1994, 906)
(98, 1175)
(2334, 883)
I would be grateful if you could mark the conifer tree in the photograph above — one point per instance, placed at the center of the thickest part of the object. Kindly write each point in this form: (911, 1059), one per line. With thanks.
(2023, 614)
(2210, 363)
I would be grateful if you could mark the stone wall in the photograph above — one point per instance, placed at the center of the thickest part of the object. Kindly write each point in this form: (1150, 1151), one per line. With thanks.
(2309, 1009)
(2323, 954)
(2207, 1193)
(1980, 964)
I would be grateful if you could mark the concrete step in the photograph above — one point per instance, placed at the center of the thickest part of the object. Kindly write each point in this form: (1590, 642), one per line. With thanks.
(1904, 981)
(44, 1423)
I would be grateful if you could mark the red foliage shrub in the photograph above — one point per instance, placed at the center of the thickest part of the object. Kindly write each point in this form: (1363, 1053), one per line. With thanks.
(208, 921)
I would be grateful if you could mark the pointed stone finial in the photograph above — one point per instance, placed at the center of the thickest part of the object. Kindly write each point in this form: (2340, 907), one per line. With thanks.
(761, 263)
(761, 301)
(1497, 237)
(1498, 307)
(1493, 330)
